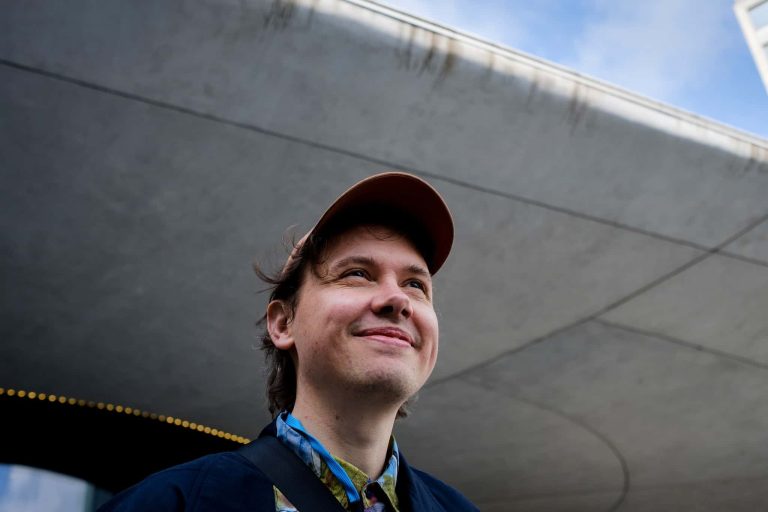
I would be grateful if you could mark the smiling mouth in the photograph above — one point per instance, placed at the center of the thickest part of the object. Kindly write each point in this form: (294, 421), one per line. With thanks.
(387, 335)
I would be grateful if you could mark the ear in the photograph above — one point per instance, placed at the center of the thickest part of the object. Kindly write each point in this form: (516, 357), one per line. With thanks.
(279, 325)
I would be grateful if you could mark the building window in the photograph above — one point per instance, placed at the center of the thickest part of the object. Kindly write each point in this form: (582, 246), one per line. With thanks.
(26, 489)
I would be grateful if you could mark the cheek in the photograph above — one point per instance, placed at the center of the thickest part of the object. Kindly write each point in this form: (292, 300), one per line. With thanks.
(345, 310)
(430, 330)
(321, 321)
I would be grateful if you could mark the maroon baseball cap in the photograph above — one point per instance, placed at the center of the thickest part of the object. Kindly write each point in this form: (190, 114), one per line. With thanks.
(407, 196)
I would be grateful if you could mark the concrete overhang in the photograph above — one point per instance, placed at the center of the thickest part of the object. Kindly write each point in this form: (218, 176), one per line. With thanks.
(603, 315)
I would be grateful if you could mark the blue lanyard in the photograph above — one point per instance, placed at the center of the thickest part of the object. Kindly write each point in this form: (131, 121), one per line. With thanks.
(352, 493)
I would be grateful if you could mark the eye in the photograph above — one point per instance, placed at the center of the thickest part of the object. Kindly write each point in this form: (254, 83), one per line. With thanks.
(415, 283)
(355, 272)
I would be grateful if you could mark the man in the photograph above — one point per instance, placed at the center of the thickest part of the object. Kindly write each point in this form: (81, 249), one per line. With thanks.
(351, 335)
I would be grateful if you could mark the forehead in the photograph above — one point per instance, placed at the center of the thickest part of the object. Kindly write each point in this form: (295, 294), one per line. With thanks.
(387, 243)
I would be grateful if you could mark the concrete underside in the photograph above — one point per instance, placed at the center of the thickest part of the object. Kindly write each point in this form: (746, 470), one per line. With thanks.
(604, 315)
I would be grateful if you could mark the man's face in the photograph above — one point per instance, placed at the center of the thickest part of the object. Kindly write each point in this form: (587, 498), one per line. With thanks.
(364, 319)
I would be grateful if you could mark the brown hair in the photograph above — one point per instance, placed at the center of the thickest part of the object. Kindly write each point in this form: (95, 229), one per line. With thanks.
(285, 284)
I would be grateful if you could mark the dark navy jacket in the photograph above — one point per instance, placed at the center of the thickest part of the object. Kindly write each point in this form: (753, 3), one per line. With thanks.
(228, 482)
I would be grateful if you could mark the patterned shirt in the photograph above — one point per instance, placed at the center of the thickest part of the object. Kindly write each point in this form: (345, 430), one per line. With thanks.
(347, 483)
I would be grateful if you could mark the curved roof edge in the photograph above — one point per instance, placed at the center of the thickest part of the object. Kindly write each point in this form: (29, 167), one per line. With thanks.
(609, 97)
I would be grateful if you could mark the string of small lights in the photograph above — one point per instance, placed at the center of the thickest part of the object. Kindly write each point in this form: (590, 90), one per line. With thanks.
(32, 395)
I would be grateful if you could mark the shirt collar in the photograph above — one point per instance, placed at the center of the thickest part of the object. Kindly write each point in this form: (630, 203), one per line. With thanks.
(290, 431)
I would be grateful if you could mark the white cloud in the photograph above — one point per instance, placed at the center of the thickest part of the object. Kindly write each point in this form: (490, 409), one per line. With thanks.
(659, 48)
(688, 53)
(498, 21)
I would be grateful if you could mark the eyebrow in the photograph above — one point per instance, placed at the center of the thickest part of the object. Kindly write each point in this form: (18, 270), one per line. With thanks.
(368, 261)
(353, 260)
(419, 271)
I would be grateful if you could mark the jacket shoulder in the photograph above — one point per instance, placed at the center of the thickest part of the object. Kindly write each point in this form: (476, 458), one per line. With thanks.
(449, 498)
(222, 482)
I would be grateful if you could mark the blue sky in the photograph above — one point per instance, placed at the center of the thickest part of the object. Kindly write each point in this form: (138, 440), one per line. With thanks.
(687, 53)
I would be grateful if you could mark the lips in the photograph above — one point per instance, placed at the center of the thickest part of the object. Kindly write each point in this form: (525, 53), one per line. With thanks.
(390, 335)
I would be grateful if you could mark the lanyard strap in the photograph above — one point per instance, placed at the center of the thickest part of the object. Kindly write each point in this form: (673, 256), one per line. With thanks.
(289, 473)
(352, 493)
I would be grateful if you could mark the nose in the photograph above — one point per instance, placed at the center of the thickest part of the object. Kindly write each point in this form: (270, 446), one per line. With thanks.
(391, 301)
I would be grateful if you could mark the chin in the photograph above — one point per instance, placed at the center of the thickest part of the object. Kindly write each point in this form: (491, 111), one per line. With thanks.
(387, 384)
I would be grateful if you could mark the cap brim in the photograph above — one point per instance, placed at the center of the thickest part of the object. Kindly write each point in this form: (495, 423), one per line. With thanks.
(407, 195)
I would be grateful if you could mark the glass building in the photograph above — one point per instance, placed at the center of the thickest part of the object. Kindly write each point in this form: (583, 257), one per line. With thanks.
(753, 18)
(27, 489)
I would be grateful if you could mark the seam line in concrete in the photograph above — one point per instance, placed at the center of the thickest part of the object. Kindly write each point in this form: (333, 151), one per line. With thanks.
(360, 156)
(559, 209)
(482, 364)
(745, 259)
(720, 248)
(581, 424)
(637, 488)
(687, 344)
(576, 323)
(696, 483)
(604, 310)
(717, 250)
